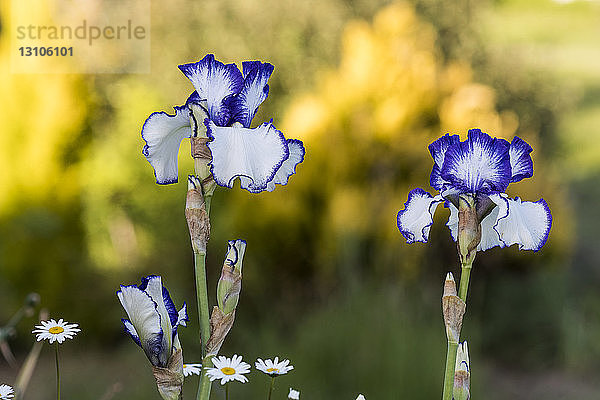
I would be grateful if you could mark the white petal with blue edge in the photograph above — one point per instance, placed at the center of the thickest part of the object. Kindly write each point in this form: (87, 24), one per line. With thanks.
(252, 155)
(163, 134)
(414, 222)
(527, 224)
(288, 167)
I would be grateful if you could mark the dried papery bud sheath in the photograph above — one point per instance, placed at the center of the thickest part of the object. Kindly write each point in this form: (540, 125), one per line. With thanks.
(469, 229)
(462, 373)
(169, 380)
(230, 282)
(196, 216)
(453, 309)
(220, 325)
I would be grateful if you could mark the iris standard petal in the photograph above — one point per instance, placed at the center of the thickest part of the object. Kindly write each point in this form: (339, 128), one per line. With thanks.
(163, 134)
(252, 155)
(521, 163)
(479, 164)
(416, 219)
(214, 82)
(143, 315)
(526, 224)
(438, 153)
(288, 167)
(253, 93)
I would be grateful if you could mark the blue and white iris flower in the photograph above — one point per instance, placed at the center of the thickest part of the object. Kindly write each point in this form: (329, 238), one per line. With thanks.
(221, 109)
(481, 167)
(153, 318)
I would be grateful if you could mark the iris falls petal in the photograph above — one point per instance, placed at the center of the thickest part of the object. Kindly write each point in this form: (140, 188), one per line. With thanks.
(288, 167)
(416, 219)
(252, 155)
(214, 82)
(479, 164)
(163, 134)
(526, 224)
(521, 163)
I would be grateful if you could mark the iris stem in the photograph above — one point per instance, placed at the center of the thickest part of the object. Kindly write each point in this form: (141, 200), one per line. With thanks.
(204, 319)
(449, 373)
(57, 374)
(464, 281)
(271, 387)
(205, 383)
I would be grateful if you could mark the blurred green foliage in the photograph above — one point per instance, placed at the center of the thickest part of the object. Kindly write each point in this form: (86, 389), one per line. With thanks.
(328, 281)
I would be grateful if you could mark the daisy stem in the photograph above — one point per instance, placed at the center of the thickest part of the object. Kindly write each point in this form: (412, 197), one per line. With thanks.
(227, 391)
(57, 375)
(271, 387)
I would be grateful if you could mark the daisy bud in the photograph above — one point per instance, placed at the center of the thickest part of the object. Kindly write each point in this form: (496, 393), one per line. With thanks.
(230, 282)
(462, 373)
(469, 229)
(169, 380)
(196, 215)
(453, 309)
(294, 394)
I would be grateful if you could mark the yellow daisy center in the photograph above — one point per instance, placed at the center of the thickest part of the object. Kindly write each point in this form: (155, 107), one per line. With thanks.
(273, 370)
(56, 330)
(228, 371)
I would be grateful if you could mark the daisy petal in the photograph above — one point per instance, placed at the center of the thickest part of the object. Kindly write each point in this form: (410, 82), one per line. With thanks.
(479, 164)
(438, 152)
(254, 91)
(142, 312)
(288, 167)
(416, 219)
(163, 134)
(526, 224)
(520, 160)
(214, 82)
(252, 155)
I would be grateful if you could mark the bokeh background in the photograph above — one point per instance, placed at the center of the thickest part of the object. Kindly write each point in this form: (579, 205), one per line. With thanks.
(329, 282)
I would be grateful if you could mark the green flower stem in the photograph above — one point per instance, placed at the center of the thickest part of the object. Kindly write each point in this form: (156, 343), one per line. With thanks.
(57, 374)
(205, 383)
(271, 387)
(464, 281)
(204, 319)
(449, 373)
(227, 391)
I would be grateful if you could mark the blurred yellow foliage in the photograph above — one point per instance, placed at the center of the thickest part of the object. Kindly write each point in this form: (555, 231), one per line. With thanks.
(41, 116)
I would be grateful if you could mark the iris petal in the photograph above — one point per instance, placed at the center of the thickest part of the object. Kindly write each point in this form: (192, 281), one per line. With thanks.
(163, 134)
(521, 163)
(214, 82)
(416, 219)
(288, 167)
(253, 93)
(438, 152)
(130, 329)
(526, 224)
(479, 164)
(252, 155)
(143, 315)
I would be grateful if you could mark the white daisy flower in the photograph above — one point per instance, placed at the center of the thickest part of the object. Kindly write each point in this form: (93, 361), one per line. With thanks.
(192, 369)
(6, 392)
(294, 394)
(274, 367)
(228, 369)
(55, 331)
(360, 397)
